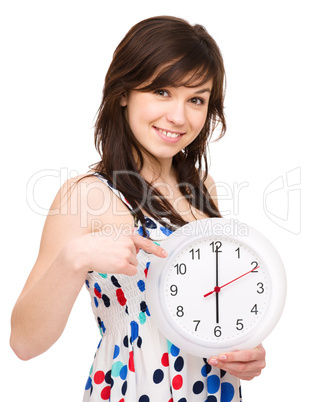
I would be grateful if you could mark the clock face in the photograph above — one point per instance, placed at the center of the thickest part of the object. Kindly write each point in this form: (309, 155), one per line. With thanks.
(216, 289)
(216, 292)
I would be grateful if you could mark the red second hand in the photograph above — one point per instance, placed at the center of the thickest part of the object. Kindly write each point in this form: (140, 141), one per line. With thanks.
(217, 289)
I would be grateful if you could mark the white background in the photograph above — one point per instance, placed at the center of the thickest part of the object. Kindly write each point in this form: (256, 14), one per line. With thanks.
(54, 58)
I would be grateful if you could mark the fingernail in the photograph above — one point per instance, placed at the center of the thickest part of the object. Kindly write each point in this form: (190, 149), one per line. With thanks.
(222, 357)
(164, 253)
(213, 362)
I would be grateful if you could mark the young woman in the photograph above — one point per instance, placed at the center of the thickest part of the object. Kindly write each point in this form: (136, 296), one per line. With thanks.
(162, 98)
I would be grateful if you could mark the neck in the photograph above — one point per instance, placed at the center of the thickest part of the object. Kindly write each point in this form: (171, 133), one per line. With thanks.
(160, 170)
(163, 171)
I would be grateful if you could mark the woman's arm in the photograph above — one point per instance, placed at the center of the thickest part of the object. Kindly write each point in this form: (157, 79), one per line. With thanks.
(87, 229)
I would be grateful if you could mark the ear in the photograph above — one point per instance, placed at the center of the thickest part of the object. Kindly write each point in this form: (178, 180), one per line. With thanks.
(123, 100)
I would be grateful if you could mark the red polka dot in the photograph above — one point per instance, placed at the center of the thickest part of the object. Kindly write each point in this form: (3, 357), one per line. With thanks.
(131, 362)
(171, 400)
(99, 377)
(177, 382)
(146, 272)
(121, 297)
(97, 293)
(165, 360)
(105, 393)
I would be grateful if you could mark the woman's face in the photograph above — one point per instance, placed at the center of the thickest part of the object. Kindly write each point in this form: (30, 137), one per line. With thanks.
(167, 120)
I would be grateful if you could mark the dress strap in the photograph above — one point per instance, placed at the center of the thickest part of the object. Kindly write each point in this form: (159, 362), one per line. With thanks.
(119, 194)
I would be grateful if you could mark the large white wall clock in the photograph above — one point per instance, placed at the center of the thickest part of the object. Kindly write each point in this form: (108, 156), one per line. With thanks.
(221, 288)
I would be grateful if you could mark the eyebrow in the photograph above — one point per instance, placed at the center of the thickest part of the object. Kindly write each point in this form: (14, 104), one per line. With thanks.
(201, 91)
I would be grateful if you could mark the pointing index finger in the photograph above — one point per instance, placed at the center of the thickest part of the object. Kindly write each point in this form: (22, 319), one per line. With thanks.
(148, 246)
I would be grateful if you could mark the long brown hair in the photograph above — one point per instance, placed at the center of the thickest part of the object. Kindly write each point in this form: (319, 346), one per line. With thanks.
(165, 49)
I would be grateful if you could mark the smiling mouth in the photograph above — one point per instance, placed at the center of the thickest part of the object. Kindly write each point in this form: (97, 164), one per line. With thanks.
(169, 134)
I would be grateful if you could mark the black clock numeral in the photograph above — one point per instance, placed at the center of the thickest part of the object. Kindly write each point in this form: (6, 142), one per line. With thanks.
(215, 245)
(261, 288)
(180, 311)
(173, 290)
(255, 266)
(193, 252)
(181, 269)
(197, 322)
(217, 331)
(238, 250)
(254, 309)
(239, 324)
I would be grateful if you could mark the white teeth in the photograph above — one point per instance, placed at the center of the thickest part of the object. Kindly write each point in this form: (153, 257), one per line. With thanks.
(169, 134)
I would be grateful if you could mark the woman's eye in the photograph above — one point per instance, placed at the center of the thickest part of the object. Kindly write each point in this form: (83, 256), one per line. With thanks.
(162, 92)
(197, 101)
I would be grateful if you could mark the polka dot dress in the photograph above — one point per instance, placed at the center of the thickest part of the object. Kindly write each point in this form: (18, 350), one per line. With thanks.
(133, 361)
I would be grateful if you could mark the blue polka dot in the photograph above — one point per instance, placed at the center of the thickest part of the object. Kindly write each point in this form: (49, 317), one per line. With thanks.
(213, 384)
(141, 232)
(206, 369)
(227, 392)
(147, 264)
(143, 306)
(139, 341)
(158, 376)
(115, 282)
(87, 283)
(116, 351)
(106, 300)
(198, 387)
(166, 231)
(134, 331)
(108, 378)
(144, 398)
(124, 388)
(97, 287)
(179, 364)
(150, 224)
(174, 350)
(96, 302)
(88, 383)
(123, 373)
(125, 341)
(141, 285)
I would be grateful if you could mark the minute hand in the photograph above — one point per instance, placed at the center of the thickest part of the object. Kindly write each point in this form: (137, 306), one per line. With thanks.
(217, 289)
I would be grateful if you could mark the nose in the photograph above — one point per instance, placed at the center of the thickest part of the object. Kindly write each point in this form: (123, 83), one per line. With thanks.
(177, 114)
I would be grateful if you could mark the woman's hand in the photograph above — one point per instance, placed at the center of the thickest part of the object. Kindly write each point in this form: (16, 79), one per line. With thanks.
(107, 254)
(244, 364)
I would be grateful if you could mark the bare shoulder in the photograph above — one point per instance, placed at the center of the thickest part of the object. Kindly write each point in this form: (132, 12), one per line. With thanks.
(87, 203)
